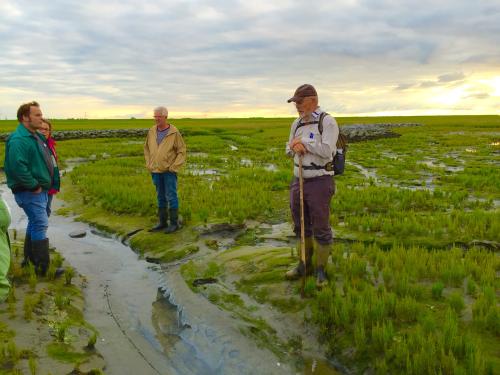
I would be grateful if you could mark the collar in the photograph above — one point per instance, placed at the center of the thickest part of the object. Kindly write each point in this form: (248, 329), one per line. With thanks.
(23, 131)
(317, 113)
(172, 129)
(314, 115)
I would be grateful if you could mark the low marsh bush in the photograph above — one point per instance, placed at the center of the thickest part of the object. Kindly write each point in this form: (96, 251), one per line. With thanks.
(69, 273)
(437, 290)
(92, 341)
(456, 302)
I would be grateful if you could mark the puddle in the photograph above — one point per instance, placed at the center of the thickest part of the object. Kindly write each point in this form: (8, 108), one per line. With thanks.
(454, 169)
(390, 155)
(70, 164)
(271, 168)
(369, 173)
(198, 154)
(281, 232)
(134, 142)
(447, 168)
(202, 172)
(246, 162)
(318, 367)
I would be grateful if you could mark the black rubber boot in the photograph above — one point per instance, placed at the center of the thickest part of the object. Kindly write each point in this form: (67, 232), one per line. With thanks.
(298, 271)
(28, 252)
(59, 272)
(162, 220)
(41, 256)
(174, 221)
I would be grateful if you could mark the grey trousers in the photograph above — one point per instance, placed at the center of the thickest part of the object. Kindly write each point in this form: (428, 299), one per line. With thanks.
(318, 192)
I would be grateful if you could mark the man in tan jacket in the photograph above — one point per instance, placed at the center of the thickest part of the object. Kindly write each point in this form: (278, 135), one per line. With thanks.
(165, 154)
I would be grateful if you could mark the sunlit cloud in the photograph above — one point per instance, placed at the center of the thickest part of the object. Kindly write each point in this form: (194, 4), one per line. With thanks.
(241, 58)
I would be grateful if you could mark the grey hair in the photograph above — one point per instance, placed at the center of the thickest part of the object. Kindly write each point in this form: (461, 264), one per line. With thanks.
(163, 111)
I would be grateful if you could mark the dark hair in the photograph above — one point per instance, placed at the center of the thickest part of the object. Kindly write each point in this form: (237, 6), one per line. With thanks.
(48, 123)
(25, 110)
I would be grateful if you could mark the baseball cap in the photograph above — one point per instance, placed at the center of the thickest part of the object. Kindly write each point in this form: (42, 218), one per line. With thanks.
(302, 92)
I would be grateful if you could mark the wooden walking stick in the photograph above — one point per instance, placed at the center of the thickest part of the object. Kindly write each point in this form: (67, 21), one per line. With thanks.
(302, 229)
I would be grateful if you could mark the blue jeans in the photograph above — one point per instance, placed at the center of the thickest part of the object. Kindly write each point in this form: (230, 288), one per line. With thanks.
(166, 189)
(35, 207)
(49, 204)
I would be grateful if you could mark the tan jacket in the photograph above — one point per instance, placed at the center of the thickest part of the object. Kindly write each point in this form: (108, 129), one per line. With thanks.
(169, 155)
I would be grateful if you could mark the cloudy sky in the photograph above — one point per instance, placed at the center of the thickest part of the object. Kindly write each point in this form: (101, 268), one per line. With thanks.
(241, 58)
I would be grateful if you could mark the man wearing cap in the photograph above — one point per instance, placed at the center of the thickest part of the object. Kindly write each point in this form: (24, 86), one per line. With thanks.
(316, 148)
(165, 154)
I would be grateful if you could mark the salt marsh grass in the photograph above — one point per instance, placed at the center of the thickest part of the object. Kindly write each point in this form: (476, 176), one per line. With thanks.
(407, 210)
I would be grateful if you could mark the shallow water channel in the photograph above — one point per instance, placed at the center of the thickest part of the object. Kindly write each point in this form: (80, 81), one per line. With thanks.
(149, 321)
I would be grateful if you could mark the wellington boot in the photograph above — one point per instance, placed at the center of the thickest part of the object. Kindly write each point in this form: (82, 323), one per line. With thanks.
(59, 272)
(28, 252)
(41, 255)
(322, 254)
(174, 221)
(321, 278)
(298, 271)
(162, 220)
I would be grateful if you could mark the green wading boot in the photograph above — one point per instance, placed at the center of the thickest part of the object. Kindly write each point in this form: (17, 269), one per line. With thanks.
(162, 220)
(174, 221)
(298, 271)
(322, 254)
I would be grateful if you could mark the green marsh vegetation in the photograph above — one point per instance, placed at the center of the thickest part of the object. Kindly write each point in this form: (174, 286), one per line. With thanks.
(52, 308)
(408, 290)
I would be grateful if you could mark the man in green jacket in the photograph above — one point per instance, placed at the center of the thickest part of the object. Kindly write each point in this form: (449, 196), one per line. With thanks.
(30, 172)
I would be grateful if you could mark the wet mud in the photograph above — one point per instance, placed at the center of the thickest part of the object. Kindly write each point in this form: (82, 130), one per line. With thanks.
(148, 319)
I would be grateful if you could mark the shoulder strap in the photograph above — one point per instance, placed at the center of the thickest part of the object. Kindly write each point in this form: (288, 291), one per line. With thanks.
(301, 124)
(341, 140)
(320, 123)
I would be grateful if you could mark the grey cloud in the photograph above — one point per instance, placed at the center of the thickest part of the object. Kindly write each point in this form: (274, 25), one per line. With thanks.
(451, 77)
(427, 84)
(404, 86)
(479, 95)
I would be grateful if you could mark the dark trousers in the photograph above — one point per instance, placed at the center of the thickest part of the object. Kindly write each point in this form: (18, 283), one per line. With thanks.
(318, 192)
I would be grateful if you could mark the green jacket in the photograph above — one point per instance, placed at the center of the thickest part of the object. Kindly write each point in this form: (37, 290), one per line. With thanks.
(4, 250)
(25, 164)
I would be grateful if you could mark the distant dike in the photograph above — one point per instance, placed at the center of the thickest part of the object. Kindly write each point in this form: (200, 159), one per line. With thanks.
(354, 132)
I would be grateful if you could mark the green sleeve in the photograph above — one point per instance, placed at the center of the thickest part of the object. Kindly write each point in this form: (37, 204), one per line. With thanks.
(17, 162)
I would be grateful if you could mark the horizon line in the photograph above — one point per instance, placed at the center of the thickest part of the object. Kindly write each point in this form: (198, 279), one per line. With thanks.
(249, 117)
